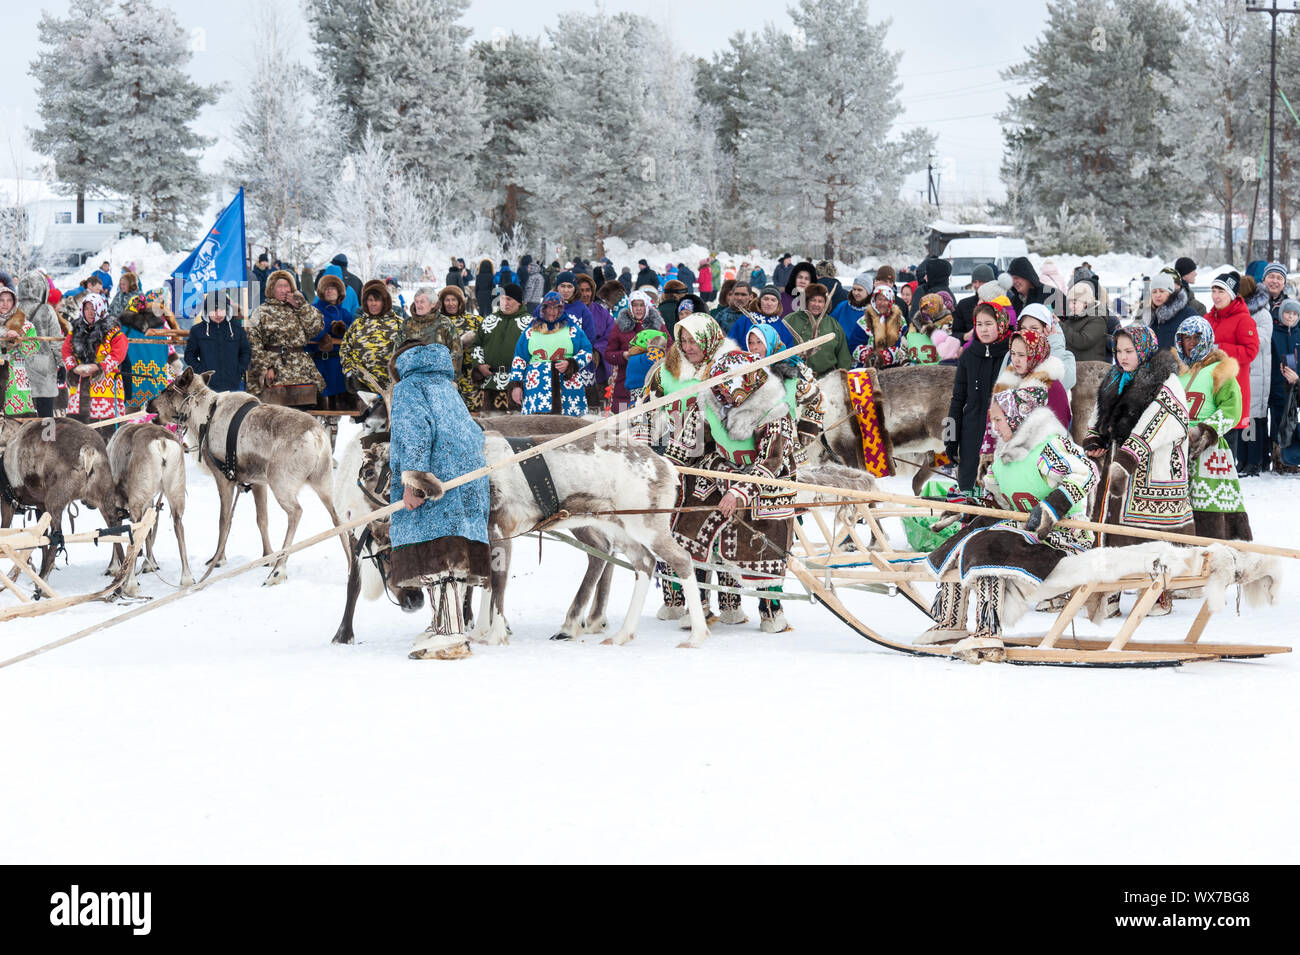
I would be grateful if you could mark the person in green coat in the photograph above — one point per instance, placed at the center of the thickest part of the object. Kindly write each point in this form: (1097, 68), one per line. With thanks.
(1209, 377)
(497, 339)
(813, 321)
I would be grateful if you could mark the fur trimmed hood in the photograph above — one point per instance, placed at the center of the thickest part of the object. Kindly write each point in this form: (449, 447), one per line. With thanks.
(1048, 370)
(1041, 424)
(325, 281)
(1228, 367)
(1118, 414)
(275, 277)
(653, 319)
(885, 330)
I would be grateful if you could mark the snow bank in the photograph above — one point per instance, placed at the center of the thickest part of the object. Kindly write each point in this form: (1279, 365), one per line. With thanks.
(153, 263)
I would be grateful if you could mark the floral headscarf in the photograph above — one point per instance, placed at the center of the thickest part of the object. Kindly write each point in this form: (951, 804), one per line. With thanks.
(707, 334)
(551, 298)
(1204, 345)
(935, 305)
(1018, 403)
(154, 297)
(96, 302)
(1036, 344)
(1144, 342)
(1001, 314)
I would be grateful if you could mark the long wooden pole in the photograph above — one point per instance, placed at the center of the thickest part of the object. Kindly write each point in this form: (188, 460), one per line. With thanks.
(356, 522)
(1127, 531)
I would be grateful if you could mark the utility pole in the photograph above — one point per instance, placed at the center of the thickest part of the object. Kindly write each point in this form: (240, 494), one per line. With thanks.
(1273, 12)
(932, 184)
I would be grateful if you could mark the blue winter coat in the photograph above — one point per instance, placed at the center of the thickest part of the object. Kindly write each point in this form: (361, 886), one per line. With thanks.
(1286, 341)
(535, 374)
(329, 367)
(847, 314)
(740, 331)
(432, 431)
(220, 347)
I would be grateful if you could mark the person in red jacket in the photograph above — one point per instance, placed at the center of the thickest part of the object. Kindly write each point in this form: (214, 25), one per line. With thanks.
(1236, 334)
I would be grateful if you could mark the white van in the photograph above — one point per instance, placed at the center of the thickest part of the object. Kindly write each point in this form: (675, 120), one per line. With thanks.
(966, 254)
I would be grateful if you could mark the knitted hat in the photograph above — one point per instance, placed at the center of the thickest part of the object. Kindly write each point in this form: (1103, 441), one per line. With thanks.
(644, 337)
(512, 290)
(1289, 305)
(1185, 265)
(770, 290)
(1143, 338)
(1164, 282)
(1195, 325)
(1036, 344)
(1276, 267)
(864, 280)
(886, 274)
(983, 273)
(1230, 282)
(991, 290)
(565, 276)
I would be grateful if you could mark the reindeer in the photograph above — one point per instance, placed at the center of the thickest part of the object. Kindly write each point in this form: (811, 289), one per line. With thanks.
(277, 447)
(52, 462)
(362, 485)
(148, 462)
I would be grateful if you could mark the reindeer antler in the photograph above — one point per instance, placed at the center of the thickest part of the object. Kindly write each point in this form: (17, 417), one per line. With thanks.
(385, 393)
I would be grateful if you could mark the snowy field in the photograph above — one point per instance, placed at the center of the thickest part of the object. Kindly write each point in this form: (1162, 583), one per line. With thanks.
(226, 728)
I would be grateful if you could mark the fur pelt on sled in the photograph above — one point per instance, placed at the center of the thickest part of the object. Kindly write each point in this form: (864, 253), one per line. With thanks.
(1260, 577)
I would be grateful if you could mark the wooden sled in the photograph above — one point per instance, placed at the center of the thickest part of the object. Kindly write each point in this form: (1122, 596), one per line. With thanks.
(16, 545)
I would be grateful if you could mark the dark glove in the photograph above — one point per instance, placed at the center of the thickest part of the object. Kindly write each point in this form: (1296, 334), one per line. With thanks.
(1202, 436)
(1041, 521)
(951, 448)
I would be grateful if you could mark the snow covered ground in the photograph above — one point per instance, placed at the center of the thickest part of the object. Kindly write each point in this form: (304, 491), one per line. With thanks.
(227, 728)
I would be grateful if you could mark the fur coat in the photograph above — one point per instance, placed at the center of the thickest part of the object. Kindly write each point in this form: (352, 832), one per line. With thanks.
(43, 365)
(1147, 424)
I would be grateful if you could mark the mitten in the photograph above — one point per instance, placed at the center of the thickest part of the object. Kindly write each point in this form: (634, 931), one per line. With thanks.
(1202, 436)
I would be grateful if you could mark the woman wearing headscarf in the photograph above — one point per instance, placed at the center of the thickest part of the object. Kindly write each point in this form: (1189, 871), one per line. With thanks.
(1036, 469)
(972, 389)
(639, 315)
(1142, 422)
(93, 353)
(17, 344)
(747, 425)
(1039, 318)
(549, 371)
(878, 331)
(1209, 377)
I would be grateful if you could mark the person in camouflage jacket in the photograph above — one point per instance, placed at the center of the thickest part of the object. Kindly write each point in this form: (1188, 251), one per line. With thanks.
(278, 330)
(465, 352)
(374, 333)
(429, 325)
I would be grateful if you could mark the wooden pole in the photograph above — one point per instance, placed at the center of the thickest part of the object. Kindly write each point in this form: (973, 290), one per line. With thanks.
(1247, 546)
(121, 419)
(356, 522)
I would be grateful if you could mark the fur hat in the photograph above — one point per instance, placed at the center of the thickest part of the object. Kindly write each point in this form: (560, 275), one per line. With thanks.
(673, 285)
(814, 290)
(380, 288)
(885, 274)
(611, 292)
(446, 290)
(325, 281)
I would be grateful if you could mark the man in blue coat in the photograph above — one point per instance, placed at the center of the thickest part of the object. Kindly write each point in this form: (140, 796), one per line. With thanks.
(440, 540)
(219, 345)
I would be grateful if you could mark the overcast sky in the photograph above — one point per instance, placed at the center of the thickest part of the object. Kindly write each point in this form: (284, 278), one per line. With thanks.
(952, 55)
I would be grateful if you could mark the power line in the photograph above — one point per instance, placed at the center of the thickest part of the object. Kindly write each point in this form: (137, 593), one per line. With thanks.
(956, 69)
(946, 119)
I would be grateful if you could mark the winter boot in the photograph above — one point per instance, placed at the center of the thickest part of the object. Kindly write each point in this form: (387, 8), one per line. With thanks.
(949, 613)
(674, 607)
(730, 611)
(985, 644)
(1163, 606)
(770, 615)
(444, 638)
(1280, 466)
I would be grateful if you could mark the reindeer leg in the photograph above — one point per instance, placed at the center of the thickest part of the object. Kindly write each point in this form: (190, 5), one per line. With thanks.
(150, 562)
(178, 525)
(259, 499)
(680, 562)
(596, 622)
(344, 633)
(115, 561)
(498, 631)
(572, 619)
(226, 494)
(644, 565)
(288, 501)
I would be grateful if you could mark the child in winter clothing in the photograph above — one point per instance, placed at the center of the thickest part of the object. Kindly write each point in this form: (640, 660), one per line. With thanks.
(972, 389)
(647, 348)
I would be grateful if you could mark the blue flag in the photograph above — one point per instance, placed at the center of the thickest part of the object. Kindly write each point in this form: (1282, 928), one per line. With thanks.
(217, 262)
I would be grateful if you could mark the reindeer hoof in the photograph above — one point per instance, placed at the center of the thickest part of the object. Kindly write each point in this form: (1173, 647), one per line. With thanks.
(342, 638)
(688, 645)
(619, 639)
(562, 636)
(187, 580)
(277, 577)
(599, 625)
(149, 566)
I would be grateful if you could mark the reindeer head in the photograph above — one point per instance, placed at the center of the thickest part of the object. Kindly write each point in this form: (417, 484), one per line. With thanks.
(174, 402)
(100, 490)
